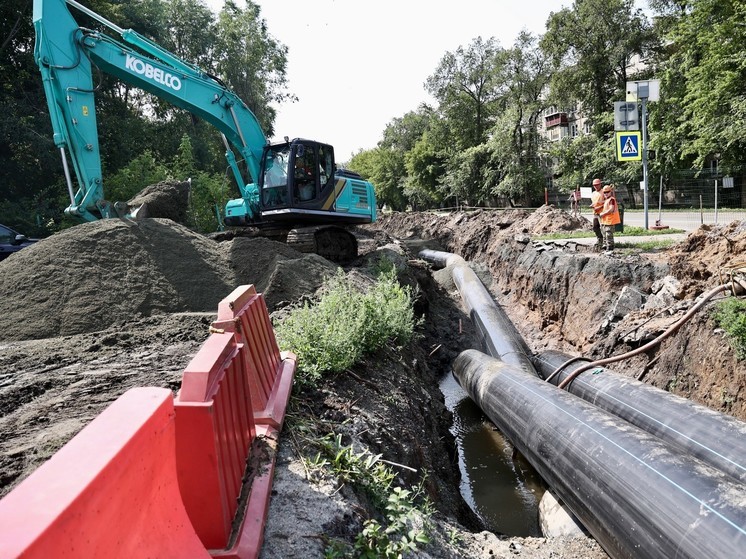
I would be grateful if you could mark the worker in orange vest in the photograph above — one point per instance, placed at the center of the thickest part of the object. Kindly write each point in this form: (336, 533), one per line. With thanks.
(609, 217)
(597, 204)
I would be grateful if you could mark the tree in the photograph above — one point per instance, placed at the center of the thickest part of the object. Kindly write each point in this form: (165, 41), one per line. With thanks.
(138, 133)
(515, 141)
(384, 167)
(702, 113)
(251, 61)
(426, 165)
(466, 87)
(403, 133)
(591, 45)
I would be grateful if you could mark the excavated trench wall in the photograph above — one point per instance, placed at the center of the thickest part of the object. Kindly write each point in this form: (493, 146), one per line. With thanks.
(564, 299)
(565, 295)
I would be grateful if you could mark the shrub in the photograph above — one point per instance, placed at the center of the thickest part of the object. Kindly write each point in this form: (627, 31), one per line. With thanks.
(333, 334)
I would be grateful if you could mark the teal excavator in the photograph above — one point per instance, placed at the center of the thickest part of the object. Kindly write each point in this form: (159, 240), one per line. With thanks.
(292, 187)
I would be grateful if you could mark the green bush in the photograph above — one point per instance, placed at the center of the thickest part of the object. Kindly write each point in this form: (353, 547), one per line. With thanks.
(730, 315)
(333, 334)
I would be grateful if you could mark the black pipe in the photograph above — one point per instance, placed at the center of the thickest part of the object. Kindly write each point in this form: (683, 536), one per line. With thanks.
(635, 495)
(713, 437)
(496, 332)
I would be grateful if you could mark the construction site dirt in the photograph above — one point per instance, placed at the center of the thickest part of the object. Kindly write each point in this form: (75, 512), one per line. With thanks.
(106, 306)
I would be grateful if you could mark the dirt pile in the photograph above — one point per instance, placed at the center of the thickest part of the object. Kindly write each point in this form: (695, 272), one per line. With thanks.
(167, 199)
(707, 255)
(94, 275)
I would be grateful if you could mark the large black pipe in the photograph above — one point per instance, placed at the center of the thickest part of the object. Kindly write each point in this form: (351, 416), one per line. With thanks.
(497, 333)
(713, 437)
(638, 497)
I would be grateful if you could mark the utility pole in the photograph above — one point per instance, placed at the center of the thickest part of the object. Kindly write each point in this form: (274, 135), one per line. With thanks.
(644, 153)
(644, 91)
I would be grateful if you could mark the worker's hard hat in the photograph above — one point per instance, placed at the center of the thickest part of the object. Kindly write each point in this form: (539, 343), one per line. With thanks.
(607, 188)
(596, 182)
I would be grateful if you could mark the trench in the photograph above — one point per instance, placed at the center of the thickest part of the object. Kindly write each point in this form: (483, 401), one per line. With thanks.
(608, 450)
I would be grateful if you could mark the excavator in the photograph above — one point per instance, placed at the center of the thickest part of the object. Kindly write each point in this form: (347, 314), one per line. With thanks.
(292, 189)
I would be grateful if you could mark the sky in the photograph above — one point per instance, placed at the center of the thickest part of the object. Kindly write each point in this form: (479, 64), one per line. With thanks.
(382, 52)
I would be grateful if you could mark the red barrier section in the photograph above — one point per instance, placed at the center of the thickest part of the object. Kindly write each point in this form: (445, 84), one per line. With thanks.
(247, 542)
(244, 313)
(110, 492)
(154, 477)
(214, 430)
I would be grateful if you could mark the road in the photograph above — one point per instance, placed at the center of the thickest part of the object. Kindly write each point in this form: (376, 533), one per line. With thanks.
(686, 220)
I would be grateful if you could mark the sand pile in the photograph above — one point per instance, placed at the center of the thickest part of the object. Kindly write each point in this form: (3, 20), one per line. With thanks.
(92, 276)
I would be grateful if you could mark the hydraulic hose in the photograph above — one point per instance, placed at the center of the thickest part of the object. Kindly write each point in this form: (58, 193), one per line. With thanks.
(638, 497)
(643, 349)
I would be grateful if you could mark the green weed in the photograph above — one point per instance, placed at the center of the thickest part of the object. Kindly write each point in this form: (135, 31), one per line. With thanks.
(402, 526)
(730, 315)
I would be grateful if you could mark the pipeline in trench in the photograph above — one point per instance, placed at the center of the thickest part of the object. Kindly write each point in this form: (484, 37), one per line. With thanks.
(637, 494)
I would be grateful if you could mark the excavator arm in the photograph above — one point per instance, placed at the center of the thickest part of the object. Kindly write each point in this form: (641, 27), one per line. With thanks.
(66, 53)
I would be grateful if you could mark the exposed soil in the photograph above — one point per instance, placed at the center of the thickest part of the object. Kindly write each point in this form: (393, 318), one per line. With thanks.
(102, 307)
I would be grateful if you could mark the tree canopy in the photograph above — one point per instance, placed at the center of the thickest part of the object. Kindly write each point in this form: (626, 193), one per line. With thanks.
(482, 141)
(142, 138)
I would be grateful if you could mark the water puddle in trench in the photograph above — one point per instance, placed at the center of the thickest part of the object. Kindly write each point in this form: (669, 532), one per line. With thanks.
(504, 492)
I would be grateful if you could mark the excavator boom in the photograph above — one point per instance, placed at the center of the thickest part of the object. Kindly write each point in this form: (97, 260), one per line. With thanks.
(290, 183)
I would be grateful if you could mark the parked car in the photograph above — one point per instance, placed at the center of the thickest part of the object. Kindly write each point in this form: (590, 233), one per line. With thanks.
(12, 241)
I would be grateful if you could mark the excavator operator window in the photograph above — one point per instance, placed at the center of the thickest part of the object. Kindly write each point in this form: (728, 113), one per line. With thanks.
(326, 165)
(305, 173)
(275, 177)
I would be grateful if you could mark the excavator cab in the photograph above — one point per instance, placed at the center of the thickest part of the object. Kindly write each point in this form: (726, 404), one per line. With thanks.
(296, 175)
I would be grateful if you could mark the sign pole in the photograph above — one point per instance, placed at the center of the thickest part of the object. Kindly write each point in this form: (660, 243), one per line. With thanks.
(645, 158)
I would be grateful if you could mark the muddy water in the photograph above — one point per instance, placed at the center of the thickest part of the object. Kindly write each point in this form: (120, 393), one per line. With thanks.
(504, 492)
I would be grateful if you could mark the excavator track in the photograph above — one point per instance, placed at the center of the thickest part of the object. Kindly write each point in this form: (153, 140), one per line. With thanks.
(332, 242)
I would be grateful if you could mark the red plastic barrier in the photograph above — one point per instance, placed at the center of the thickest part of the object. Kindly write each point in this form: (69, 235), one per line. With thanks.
(220, 459)
(244, 313)
(110, 492)
(214, 430)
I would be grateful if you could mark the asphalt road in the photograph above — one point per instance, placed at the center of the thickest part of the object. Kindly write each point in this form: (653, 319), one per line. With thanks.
(686, 220)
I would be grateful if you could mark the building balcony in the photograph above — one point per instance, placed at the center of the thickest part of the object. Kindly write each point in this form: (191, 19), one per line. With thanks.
(555, 119)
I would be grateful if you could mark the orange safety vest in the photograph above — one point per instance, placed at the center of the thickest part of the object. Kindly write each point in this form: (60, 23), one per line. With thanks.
(597, 202)
(612, 217)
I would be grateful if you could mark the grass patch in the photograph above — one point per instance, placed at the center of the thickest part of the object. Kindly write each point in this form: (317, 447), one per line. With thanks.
(629, 231)
(730, 315)
(646, 246)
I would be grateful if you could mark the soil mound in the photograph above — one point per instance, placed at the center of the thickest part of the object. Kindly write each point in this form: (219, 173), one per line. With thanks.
(704, 258)
(94, 275)
(480, 223)
(90, 276)
(167, 199)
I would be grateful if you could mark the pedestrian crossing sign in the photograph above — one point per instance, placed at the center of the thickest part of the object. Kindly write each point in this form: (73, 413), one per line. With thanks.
(628, 146)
